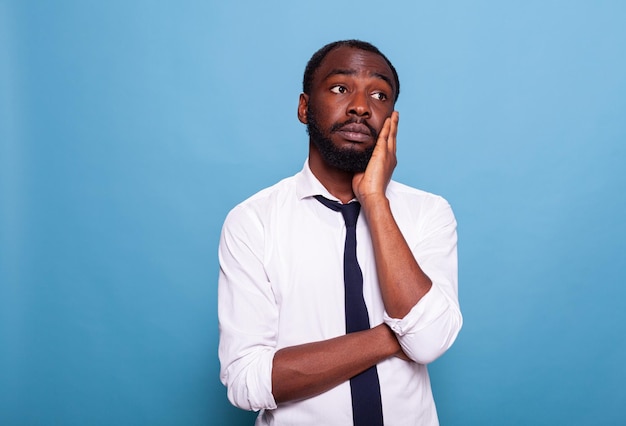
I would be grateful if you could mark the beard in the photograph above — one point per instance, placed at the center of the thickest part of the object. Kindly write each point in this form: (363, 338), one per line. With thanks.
(345, 159)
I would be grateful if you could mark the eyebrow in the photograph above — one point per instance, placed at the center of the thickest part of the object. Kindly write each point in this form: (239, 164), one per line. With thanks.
(339, 71)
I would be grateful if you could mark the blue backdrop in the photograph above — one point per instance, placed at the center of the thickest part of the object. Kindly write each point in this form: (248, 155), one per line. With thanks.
(129, 129)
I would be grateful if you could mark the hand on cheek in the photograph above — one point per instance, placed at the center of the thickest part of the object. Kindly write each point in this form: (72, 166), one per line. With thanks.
(373, 182)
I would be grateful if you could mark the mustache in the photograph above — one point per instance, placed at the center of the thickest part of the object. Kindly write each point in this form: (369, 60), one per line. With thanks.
(338, 126)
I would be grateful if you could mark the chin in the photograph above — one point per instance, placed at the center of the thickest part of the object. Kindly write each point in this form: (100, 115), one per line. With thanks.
(347, 160)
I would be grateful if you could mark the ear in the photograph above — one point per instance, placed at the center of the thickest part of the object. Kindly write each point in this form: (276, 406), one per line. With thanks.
(303, 106)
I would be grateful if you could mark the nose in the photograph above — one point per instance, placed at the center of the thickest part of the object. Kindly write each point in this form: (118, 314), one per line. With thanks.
(359, 105)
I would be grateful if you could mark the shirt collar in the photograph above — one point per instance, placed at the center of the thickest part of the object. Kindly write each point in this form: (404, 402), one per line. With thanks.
(307, 184)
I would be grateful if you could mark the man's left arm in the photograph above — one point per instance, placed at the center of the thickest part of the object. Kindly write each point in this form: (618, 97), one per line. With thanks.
(424, 314)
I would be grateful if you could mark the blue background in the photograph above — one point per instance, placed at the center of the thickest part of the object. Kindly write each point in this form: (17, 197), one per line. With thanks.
(129, 129)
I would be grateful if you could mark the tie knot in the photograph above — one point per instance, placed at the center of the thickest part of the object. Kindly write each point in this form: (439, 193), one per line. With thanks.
(350, 213)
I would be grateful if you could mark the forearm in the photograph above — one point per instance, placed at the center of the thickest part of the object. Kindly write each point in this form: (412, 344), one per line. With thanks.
(306, 370)
(402, 281)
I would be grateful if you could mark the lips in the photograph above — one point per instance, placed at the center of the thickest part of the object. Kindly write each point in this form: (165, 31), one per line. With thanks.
(355, 132)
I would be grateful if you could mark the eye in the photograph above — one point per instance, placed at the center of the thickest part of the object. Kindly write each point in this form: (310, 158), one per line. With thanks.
(380, 96)
(338, 89)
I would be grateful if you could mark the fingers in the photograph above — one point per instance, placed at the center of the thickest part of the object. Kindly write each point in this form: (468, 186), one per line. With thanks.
(376, 177)
(387, 135)
(384, 132)
(393, 131)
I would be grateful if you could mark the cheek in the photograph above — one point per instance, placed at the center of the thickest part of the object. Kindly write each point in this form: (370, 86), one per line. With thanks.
(328, 115)
(381, 116)
(385, 109)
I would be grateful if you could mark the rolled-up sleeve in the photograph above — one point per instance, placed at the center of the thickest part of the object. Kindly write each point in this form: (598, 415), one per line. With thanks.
(247, 312)
(432, 325)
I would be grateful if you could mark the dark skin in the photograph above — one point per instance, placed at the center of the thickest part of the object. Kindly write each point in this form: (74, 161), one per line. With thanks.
(355, 84)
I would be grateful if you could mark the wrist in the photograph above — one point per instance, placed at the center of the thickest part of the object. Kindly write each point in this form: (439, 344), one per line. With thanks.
(374, 204)
(388, 340)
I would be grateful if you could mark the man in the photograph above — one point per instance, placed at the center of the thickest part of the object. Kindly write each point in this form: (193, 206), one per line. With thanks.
(286, 286)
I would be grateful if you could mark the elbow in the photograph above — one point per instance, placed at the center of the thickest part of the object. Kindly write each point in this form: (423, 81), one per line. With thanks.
(248, 382)
(237, 391)
(426, 345)
(242, 396)
(240, 399)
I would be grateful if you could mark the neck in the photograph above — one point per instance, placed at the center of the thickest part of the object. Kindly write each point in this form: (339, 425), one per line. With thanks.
(337, 182)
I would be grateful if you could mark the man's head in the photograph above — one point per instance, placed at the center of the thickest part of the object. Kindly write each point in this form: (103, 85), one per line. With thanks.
(349, 89)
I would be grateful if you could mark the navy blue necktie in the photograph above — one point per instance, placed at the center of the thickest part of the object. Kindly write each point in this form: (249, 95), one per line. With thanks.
(365, 387)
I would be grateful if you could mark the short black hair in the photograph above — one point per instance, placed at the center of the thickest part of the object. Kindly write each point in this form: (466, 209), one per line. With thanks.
(317, 58)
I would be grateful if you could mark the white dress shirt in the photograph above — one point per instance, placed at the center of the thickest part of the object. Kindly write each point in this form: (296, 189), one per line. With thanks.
(281, 284)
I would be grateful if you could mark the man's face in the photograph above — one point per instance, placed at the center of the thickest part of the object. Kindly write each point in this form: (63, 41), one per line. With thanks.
(352, 94)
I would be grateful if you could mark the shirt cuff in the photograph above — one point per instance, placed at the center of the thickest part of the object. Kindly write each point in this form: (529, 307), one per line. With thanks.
(430, 307)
